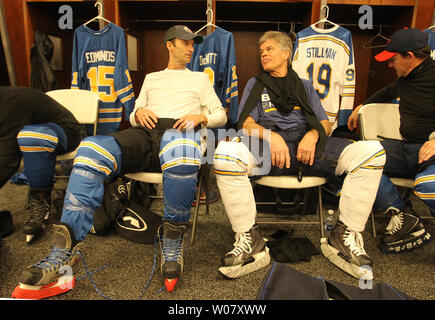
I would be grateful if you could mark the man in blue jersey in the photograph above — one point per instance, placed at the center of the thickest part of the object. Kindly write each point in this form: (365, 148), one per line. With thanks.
(408, 54)
(164, 137)
(284, 112)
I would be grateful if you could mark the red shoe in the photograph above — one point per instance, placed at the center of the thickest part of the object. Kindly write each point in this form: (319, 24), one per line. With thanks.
(203, 199)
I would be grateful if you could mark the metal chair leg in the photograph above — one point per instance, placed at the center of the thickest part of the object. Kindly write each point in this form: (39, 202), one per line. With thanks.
(195, 213)
(373, 224)
(320, 208)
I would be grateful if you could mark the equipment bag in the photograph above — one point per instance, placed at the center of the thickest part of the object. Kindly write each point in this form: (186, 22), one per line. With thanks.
(285, 283)
(138, 223)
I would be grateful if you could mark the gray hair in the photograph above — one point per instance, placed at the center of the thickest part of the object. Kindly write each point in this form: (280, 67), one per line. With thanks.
(283, 40)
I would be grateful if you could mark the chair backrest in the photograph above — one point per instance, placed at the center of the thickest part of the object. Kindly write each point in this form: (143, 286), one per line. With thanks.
(379, 120)
(83, 104)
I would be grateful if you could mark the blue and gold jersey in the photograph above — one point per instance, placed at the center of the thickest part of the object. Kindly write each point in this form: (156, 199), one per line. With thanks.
(216, 56)
(99, 64)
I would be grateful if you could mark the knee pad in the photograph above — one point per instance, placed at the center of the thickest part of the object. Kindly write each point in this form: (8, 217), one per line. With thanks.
(37, 139)
(231, 159)
(424, 187)
(362, 155)
(100, 155)
(38, 145)
(180, 152)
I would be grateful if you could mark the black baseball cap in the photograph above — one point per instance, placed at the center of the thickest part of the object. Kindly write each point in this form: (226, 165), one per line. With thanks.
(183, 33)
(404, 40)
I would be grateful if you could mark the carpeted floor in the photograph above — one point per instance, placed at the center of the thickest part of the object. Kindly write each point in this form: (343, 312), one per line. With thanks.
(127, 266)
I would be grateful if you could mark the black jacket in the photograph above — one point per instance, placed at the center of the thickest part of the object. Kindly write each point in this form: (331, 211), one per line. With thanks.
(417, 101)
(42, 76)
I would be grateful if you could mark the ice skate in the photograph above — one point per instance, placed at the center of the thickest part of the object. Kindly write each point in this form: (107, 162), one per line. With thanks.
(171, 236)
(54, 274)
(404, 232)
(345, 249)
(39, 207)
(250, 253)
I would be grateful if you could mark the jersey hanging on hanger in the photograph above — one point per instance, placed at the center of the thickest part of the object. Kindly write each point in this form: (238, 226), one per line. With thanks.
(99, 64)
(216, 56)
(325, 57)
(431, 41)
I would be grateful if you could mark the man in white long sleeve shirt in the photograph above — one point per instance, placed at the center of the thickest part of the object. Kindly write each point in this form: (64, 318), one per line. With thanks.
(164, 137)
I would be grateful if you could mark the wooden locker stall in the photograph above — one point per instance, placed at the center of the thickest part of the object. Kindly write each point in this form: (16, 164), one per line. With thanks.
(147, 21)
(387, 18)
(248, 20)
(26, 16)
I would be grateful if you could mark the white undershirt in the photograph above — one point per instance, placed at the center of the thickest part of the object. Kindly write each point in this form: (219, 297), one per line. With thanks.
(175, 93)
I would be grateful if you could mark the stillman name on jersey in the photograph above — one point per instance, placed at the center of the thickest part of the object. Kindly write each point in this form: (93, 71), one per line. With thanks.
(316, 52)
(100, 55)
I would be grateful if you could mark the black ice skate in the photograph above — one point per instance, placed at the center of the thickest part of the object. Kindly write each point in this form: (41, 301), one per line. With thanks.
(404, 232)
(54, 274)
(171, 236)
(250, 253)
(39, 209)
(345, 249)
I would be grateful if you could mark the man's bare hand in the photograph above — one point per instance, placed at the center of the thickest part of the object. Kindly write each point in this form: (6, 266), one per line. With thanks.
(190, 121)
(352, 121)
(146, 118)
(427, 150)
(307, 147)
(279, 151)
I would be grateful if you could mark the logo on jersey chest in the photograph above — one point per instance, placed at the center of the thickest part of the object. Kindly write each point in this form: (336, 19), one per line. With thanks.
(267, 105)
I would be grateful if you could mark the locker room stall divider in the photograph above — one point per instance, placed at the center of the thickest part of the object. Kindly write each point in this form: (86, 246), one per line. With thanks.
(247, 20)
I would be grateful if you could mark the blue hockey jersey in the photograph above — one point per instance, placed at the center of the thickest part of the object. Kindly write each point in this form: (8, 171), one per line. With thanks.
(99, 64)
(216, 56)
(431, 41)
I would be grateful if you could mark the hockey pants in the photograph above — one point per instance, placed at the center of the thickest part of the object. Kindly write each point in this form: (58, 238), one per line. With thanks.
(402, 161)
(99, 157)
(362, 161)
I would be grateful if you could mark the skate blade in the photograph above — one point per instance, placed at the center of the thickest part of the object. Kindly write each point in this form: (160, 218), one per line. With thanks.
(170, 284)
(29, 237)
(358, 272)
(23, 291)
(261, 260)
(407, 245)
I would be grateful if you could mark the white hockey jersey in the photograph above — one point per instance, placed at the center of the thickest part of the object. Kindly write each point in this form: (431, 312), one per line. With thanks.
(325, 57)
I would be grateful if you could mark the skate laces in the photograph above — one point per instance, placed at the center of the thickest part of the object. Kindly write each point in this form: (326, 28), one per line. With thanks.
(172, 249)
(355, 242)
(38, 211)
(395, 224)
(242, 244)
(55, 259)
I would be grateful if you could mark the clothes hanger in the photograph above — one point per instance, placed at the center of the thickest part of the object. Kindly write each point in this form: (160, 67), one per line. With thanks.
(209, 23)
(325, 19)
(292, 30)
(100, 14)
(366, 45)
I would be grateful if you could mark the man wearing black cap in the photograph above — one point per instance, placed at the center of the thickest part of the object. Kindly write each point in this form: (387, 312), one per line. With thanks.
(164, 138)
(408, 53)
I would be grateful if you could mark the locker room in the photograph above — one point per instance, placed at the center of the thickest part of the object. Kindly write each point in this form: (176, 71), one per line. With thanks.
(344, 72)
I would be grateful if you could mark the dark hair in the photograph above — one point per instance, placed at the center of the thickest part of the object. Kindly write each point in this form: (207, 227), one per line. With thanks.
(422, 53)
